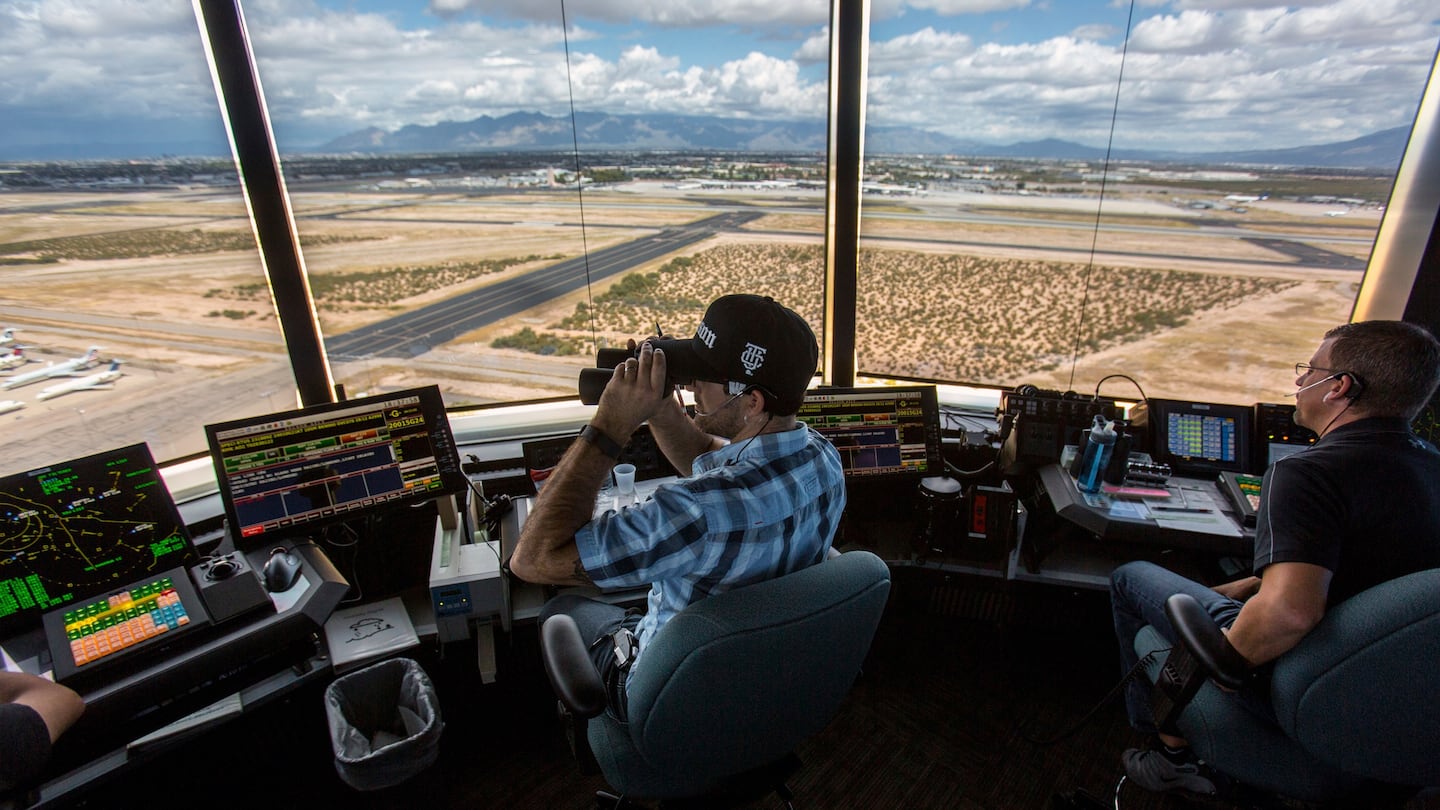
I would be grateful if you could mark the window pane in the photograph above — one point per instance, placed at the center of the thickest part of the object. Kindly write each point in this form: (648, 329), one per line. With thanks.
(433, 168)
(120, 216)
(1215, 259)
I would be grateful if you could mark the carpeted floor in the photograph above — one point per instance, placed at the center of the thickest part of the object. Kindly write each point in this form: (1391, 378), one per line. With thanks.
(966, 681)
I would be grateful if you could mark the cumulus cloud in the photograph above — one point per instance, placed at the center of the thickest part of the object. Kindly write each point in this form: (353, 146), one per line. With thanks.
(1217, 74)
(953, 7)
(103, 58)
(1228, 75)
(667, 13)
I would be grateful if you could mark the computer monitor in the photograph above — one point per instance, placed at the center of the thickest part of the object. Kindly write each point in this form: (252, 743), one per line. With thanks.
(80, 528)
(287, 473)
(1201, 439)
(1277, 435)
(881, 432)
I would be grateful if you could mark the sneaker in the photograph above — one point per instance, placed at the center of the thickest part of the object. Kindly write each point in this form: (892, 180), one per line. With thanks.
(1160, 772)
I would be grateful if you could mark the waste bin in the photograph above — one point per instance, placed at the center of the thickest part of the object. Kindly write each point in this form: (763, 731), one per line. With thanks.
(384, 724)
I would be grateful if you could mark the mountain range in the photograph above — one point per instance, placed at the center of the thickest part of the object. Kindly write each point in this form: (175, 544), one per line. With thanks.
(607, 132)
(596, 132)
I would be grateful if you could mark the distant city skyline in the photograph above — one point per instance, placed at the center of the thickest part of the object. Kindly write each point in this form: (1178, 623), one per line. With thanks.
(1198, 76)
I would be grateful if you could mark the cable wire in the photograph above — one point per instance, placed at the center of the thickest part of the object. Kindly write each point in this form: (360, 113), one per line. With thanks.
(1100, 203)
(1134, 673)
(579, 185)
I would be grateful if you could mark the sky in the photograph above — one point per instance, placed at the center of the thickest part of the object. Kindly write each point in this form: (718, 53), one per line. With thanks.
(1198, 75)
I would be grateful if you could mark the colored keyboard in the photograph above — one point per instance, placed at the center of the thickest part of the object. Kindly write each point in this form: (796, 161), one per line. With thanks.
(108, 626)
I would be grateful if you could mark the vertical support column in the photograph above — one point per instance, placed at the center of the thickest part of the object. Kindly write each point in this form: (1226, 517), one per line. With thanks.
(849, 43)
(1403, 275)
(252, 142)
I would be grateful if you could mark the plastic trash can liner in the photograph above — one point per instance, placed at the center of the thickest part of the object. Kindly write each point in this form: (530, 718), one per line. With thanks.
(384, 724)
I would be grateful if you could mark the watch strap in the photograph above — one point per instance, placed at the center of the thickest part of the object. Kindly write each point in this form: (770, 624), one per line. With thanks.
(603, 443)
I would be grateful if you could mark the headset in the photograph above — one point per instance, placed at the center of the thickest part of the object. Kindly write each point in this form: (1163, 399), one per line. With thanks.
(1357, 385)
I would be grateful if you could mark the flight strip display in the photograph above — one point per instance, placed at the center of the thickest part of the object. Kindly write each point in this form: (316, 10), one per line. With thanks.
(878, 431)
(292, 470)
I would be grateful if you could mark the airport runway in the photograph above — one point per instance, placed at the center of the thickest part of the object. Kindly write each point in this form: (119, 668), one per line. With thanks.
(415, 333)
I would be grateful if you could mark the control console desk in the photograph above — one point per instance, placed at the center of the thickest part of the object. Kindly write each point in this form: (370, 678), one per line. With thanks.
(1072, 537)
(246, 660)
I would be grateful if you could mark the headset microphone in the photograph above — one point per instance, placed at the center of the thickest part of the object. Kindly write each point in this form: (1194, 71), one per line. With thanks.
(1304, 388)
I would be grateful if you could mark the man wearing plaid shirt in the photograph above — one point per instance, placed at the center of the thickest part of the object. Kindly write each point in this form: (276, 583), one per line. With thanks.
(761, 493)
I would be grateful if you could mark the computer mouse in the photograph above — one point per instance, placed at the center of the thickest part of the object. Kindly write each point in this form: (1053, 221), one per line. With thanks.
(281, 570)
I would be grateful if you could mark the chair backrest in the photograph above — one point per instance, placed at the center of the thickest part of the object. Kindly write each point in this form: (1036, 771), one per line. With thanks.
(1359, 691)
(738, 679)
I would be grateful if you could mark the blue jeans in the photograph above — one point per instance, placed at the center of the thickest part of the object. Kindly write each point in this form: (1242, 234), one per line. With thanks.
(1138, 591)
(597, 621)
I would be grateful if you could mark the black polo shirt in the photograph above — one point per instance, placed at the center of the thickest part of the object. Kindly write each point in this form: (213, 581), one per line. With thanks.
(24, 745)
(1363, 502)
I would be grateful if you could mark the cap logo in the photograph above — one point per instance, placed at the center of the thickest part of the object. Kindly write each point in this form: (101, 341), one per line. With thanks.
(752, 358)
(706, 335)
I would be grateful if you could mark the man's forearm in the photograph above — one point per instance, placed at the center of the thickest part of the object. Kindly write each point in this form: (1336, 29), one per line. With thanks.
(546, 551)
(1261, 633)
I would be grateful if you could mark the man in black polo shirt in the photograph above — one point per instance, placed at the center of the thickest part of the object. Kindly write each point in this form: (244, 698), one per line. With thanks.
(1360, 507)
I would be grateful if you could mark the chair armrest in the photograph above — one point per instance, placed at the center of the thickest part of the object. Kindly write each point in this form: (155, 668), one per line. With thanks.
(572, 674)
(1198, 633)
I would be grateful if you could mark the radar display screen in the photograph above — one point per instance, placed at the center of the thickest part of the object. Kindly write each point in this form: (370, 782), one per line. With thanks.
(80, 528)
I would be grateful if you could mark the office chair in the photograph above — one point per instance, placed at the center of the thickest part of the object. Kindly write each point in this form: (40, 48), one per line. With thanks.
(1355, 700)
(729, 686)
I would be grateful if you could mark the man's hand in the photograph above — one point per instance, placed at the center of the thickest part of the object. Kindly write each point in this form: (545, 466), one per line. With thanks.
(635, 393)
(1240, 589)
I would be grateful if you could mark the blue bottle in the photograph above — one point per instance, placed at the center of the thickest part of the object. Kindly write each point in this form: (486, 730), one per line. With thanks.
(1097, 455)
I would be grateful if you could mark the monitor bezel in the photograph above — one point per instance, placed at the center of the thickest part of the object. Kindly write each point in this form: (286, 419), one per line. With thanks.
(32, 618)
(1159, 411)
(453, 478)
(934, 442)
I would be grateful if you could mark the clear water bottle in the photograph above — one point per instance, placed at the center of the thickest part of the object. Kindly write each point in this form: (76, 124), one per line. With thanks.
(1097, 455)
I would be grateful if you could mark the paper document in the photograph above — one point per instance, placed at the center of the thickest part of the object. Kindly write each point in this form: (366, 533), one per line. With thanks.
(208, 716)
(1192, 510)
(364, 633)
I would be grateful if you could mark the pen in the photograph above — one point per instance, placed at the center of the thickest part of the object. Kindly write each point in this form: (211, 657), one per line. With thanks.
(1178, 509)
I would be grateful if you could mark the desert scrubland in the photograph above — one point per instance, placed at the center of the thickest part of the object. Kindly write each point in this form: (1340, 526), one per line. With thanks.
(171, 284)
(988, 320)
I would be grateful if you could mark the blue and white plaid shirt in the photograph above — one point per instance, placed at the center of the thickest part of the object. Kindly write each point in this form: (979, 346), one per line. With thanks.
(754, 510)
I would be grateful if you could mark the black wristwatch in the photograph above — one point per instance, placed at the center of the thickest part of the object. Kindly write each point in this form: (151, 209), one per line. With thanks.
(603, 443)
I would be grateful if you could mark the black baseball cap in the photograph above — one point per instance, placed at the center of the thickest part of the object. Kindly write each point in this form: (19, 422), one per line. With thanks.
(746, 341)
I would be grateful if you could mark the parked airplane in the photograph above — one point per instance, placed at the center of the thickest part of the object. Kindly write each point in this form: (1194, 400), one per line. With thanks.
(13, 359)
(9, 405)
(95, 381)
(65, 369)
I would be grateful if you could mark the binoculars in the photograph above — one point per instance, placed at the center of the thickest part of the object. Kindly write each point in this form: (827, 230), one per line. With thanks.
(681, 368)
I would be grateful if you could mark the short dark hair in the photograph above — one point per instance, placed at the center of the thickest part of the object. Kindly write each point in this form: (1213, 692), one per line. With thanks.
(1397, 363)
